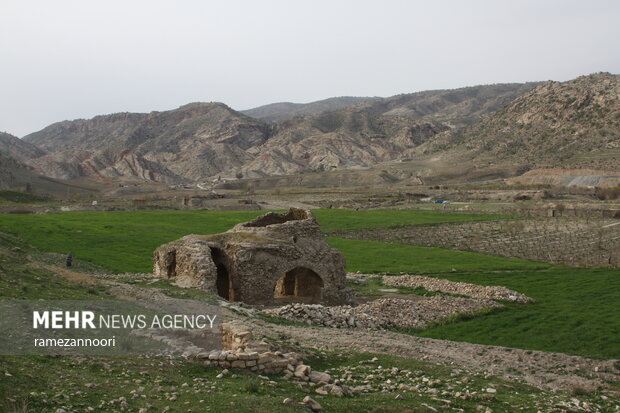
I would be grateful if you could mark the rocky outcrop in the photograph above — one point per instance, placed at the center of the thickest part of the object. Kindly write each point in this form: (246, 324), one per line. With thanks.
(275, 258)
(569, 124)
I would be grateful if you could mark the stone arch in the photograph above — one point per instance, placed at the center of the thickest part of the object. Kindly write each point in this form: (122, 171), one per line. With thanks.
(223, 281)
(299, 284)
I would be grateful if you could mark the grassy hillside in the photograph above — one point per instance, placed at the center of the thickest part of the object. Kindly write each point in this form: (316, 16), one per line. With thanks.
(72, 384)
(49, 383)
(43, 384)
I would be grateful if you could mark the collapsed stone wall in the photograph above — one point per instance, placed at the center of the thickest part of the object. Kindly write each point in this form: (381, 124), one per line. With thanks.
(416, 312)
(242, 351)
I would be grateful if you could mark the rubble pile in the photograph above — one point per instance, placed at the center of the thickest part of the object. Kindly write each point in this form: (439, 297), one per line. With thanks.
(415, 312)
(460, 288)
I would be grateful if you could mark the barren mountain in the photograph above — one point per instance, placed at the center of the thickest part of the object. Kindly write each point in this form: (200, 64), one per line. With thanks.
(190, 143)
(287, 110)
(456, 107)
(552, 124)
(202, 140)
(557, 124)
(341, 139)
(14, 174)
(13, 147)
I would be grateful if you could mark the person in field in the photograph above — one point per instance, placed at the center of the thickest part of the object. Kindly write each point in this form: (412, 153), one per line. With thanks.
(69, 259)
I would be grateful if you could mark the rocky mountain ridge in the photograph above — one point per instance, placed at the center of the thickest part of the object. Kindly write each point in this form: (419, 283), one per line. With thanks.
(455, 107)
(552, 124)
(557, 124)
(190, 143)
(286, 110)
(202, 140)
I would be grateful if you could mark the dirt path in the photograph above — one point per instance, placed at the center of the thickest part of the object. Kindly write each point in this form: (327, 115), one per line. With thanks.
(541, 369)
(68, 274)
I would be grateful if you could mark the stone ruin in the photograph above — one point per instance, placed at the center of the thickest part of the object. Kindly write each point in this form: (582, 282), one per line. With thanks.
(275, 259)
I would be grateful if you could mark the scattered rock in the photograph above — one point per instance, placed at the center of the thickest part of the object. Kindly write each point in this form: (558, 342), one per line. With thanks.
(302, 371)
(318, 377)
(313, 404)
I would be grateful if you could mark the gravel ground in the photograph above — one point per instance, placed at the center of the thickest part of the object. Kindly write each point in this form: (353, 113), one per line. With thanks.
(542, 369)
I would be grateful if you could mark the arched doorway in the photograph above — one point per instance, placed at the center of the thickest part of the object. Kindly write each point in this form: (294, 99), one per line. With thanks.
(171, 270)
(222, 282)
(299, 285)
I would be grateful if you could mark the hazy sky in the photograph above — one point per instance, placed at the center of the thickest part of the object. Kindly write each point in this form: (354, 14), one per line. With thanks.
(77, 59)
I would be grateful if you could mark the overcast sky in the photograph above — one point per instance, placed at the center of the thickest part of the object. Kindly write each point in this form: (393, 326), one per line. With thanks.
(77, 59)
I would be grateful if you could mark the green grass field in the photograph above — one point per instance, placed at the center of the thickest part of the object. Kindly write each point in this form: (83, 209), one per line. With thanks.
(347, 220)
(576, 311)
(117, 241)
(382, 257)
(124, 241)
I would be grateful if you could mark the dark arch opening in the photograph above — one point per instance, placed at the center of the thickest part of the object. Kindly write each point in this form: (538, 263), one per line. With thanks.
(222, 282)
(299, 285)
(171, 269)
